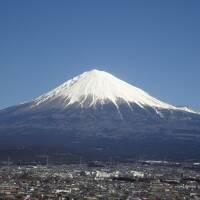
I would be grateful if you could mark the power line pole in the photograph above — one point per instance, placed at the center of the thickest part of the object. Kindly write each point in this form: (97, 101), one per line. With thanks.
(110, 162)
(47, 161)
(8, 163)
(80, 162)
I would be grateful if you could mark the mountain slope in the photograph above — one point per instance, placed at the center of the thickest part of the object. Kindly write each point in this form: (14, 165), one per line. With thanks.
(96, 110)
(99, 87)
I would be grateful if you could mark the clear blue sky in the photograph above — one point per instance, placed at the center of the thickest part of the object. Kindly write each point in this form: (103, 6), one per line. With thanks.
(152, 44)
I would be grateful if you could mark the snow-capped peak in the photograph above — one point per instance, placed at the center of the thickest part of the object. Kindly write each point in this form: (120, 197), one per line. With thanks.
(101, 87)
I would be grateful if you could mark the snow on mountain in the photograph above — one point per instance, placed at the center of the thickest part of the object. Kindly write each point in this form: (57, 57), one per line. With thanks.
(71, 119)
(101, 87)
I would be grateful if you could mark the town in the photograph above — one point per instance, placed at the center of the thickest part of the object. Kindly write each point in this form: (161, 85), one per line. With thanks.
(139, 180)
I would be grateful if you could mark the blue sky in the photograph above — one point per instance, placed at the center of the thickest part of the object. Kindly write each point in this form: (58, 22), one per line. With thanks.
(154, 45)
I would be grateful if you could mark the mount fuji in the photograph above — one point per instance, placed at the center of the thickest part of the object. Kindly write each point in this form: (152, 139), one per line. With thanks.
(96, 113)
